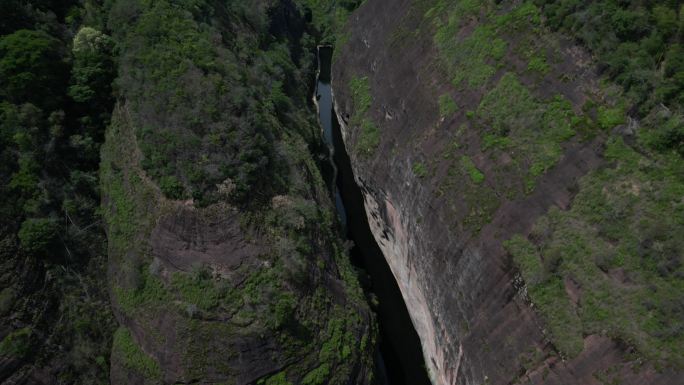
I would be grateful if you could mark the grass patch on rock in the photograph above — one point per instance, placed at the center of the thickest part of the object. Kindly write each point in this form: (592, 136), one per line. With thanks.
(447, 106)
(512, 118)
(369, 133)
(420, 170)
(17, 344)
(618, 251)
(133, 357)
(469, 167)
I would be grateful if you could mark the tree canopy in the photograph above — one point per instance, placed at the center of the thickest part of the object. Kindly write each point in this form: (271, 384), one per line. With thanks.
(30, 59)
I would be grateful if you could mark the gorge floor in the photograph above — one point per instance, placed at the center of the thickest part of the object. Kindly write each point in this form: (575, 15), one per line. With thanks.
(400, 359)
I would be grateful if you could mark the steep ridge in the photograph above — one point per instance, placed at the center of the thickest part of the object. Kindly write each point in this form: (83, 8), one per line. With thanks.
(493, 158)
(224, 263)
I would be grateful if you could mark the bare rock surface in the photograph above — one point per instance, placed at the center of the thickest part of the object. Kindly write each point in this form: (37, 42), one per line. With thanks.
(461, 288)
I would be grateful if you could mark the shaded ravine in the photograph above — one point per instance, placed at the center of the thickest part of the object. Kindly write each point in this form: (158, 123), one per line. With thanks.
(400, 361)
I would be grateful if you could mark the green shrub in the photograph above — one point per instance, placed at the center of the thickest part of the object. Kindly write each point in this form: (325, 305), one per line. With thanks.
(7, 298)
(149, 293)
(197, 288)
(278, 379)
(490, 141)
(669, 135)
(610, 117)
(317, 376)
(171, 187)
(420, 170)
(17, 344)
(527, 259)
(538, 64)
(512, 117)
(38, 235)
(447, 106)
(284, 309)
(369, 137)
(467, 59)
(132, 356)
(475, 175)
(361, 94)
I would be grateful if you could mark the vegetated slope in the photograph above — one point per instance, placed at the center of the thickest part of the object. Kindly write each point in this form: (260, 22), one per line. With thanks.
(55, 99)
(637, 44)
(528, 205)
(224, 262)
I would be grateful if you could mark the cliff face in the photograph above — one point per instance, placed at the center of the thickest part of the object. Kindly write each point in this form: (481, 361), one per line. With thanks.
(224, 263)
(200, 296)
(471, 128)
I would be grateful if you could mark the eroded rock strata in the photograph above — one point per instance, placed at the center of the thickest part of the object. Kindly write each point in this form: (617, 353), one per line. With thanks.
(224, 261)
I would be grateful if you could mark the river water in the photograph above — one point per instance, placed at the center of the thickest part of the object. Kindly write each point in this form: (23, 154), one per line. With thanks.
(400, 358)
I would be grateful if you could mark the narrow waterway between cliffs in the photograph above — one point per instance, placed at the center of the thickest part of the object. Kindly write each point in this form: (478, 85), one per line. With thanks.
(400, 359)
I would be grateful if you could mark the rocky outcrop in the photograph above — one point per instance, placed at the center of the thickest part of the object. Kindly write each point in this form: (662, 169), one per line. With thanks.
(210, 285)
(201, 297)
(444, 241)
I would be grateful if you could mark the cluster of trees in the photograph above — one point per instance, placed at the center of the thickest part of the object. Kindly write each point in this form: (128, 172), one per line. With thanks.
(55, 102)
(329, 16)
(639, 45)
(210, 101)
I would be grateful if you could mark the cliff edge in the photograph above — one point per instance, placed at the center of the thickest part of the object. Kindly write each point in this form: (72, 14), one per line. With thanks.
(514, 194)
(224, 262)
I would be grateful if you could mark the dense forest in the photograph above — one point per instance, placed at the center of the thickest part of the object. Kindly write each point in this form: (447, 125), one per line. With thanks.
(638, 45)
(55, 102)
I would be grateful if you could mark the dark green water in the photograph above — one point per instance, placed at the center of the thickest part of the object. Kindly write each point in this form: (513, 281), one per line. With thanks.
(400, 359)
